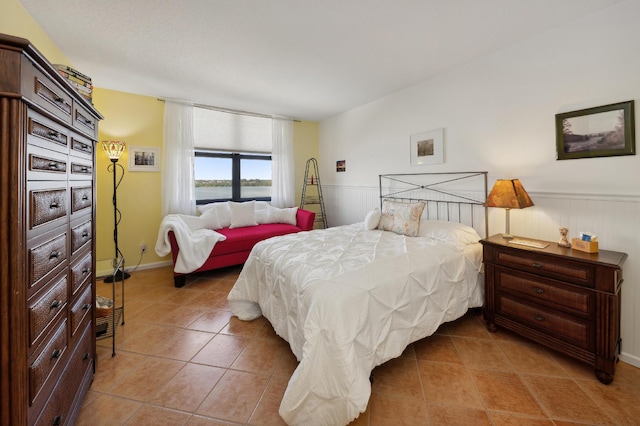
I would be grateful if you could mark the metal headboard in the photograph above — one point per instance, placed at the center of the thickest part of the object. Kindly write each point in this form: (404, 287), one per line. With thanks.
(454, 197)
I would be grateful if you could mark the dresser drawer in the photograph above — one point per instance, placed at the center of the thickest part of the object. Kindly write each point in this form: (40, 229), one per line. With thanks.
(48, 94)
(46, 257)
(573, 300)
(563, 269)
(45, 164)
(46, 133)
(80, 272)
(80, 235)
(46, 205)
(81, 147)
(81, 311)
(77, 374)
(81, 198)
(43, 308)
(80, 169)
(579, 332)
(50, 358)
(84, 121)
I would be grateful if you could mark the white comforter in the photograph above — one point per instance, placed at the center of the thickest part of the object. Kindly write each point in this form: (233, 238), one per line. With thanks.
(348, 299)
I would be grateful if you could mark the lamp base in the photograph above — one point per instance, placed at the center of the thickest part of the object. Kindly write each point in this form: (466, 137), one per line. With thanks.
(118, 276)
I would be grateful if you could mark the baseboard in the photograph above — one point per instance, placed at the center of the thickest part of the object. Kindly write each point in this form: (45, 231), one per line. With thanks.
(101, 273)
(630, 359)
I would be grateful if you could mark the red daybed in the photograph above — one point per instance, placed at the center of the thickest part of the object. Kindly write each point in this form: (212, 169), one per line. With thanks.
(236, 248)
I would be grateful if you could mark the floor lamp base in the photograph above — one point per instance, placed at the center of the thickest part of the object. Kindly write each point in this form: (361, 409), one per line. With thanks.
(118, 276)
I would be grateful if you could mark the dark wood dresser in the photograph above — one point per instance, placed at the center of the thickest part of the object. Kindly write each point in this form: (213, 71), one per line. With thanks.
(565, 299)
(47, 337)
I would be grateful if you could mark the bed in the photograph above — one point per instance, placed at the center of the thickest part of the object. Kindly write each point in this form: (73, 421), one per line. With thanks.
(350, 298)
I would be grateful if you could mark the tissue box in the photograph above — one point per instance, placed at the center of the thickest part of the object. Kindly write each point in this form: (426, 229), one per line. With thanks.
(588, 246)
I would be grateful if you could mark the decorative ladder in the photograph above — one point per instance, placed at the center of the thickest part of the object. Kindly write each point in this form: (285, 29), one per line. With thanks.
(315, 197)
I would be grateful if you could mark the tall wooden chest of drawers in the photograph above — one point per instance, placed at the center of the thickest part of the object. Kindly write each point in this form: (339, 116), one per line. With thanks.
(47, 250)
(565, 299)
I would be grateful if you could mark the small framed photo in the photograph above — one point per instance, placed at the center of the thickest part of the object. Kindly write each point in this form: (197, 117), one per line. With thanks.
(341, 166)
(144, 159)
(427, 147)
(602, 131)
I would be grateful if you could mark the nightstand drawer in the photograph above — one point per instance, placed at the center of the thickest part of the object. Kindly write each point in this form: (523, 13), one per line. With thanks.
(578, 331)
(563, 269)
(573, 300)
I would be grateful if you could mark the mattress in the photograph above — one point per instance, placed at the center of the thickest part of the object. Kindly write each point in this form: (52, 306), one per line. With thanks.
(348, 299)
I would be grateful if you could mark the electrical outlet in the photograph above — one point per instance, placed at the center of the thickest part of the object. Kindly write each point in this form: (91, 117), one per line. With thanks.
(143, 247)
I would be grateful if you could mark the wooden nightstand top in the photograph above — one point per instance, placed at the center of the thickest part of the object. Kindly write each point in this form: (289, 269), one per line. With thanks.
(602, 257)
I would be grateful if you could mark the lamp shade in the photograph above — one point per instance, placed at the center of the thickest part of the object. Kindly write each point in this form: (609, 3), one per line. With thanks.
(114, 149)
(508, 194)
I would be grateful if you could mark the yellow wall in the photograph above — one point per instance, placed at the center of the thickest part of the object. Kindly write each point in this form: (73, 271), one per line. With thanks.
(305, 139)
(16, 21)
(136, 120)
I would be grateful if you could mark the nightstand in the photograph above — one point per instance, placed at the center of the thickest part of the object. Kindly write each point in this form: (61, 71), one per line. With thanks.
(562, 298)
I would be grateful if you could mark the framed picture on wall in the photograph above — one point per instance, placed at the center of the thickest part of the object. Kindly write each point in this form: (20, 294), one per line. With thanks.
(602, 131)
(144, 159)
(426, 147)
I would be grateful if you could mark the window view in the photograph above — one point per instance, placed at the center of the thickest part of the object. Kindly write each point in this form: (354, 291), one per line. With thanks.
(235, 177)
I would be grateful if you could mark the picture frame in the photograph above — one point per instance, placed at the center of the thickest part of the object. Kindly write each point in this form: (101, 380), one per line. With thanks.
(427, 147)
(603, 131)
(144, 159)
(341, 166)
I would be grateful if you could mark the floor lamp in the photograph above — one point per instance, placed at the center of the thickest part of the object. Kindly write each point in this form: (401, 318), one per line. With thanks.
(114, 150)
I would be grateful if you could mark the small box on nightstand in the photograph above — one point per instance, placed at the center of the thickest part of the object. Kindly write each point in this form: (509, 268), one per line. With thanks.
(588, 246)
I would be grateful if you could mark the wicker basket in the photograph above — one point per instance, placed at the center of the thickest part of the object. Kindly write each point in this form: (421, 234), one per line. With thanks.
(104, 306)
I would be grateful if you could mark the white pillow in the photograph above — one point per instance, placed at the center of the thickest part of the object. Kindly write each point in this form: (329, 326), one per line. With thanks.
(450, 232)
(286, 215)
(372, 219)
(262, 212)
(242, 214)
(401, 218)
(210, 219)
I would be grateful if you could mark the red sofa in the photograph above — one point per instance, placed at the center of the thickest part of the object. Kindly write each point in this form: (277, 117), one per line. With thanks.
(236, 248)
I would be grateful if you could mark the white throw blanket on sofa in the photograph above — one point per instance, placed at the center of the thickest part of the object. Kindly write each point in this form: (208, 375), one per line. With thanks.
(194, 240)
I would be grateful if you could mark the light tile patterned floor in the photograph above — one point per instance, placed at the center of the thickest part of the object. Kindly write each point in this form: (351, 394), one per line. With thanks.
(183, 359)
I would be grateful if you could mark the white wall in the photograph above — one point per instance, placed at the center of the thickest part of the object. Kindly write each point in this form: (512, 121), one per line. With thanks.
(498, 115)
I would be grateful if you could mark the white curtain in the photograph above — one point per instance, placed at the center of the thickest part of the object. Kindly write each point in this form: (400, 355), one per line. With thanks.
(178, 186)
(283, 186)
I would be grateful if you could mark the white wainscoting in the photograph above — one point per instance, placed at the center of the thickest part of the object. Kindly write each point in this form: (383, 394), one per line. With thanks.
(614, 218)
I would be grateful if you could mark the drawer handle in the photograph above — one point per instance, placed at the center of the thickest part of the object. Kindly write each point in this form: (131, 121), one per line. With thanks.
(86, 356)
(84, 169)
(53, 166)
(55, 304)
(59, 100)
(85, 197)
(86, 306)
(537, 265)
(54, 205)
(56, 354)
(86, 120)
(57, 421)
(54, 134)
(539, 317)
(538, 290)
(85, 271)
(54, 255)
(85, 234)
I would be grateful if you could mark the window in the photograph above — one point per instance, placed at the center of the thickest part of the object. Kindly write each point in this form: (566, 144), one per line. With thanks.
(221, 176)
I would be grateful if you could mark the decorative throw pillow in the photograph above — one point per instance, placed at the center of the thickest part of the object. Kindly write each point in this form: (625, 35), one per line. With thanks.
(401, 218)
(242, 214)
(262, 212)
(286, 215)
(372, 219)
(210, 219)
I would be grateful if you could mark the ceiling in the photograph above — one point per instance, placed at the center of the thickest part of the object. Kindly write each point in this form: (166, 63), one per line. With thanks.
(306, 59)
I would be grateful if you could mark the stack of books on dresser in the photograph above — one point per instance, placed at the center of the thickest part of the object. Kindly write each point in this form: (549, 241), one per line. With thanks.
(79, 81)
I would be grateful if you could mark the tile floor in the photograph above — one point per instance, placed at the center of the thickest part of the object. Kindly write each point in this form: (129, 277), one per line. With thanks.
(182, 359)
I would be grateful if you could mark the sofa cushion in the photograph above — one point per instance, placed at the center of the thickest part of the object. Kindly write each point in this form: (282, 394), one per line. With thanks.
(243, 239)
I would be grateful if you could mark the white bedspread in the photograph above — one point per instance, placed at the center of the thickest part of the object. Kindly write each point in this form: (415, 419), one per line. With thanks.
(194, 240)
(348, 299)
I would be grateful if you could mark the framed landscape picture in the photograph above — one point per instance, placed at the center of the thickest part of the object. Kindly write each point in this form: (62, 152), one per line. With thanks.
(144, 159)
(596, 132)
(426, 148)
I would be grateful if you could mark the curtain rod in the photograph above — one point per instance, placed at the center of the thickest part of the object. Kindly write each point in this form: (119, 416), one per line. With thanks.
(227, 110)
